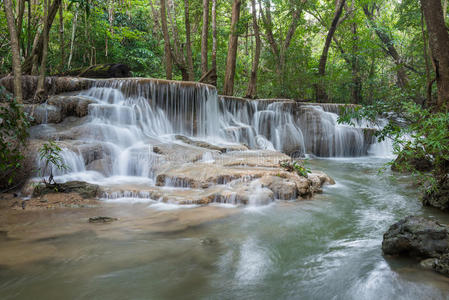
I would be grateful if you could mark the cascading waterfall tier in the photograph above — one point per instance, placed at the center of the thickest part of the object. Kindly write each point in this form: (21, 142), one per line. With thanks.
(164, 133)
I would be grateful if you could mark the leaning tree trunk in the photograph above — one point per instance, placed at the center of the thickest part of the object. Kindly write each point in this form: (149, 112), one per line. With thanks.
(40, 90)
(204, 37)
(228, 87)
(15, 49)
(168, 58)
(252, 86)
(439, 45)
(321, 95)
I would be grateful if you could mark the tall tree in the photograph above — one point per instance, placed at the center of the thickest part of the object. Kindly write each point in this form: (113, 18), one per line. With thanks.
(40, 90)
(321, 94)
(279, 48)
(61, 36)
(389, 47)
(356, 89)
(15, 49)
(228, 87)
(35, 55)
(204, 37)
(188, 42)
(252, 85)
(168, 56)
(214, 42)
(439, 46)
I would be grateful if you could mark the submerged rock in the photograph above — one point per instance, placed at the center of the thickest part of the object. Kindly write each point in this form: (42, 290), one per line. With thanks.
(84, 189)
(428, 263)
(102, 220)
(416, 237)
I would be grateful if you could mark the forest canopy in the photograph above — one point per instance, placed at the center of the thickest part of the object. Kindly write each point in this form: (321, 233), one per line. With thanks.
(335, 51)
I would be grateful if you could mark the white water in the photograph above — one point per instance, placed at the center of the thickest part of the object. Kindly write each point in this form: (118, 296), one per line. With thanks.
(128, 117)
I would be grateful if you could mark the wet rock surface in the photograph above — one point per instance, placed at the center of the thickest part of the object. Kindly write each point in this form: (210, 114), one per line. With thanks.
(418, 237)
(84, 189)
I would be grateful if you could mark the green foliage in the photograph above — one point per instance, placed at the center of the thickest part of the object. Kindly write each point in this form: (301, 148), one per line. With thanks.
(295, 166)
(49, 153)
(13, 135)
(416, 132)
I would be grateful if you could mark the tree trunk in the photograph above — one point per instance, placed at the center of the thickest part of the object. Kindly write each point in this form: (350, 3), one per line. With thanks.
(40, 90)
(61, 37)
(429, 81)
(168, 58)
(19, 20)
(72, 40)
(36, 52)
(214, 41)
(355, 66)
(204, 37)
(228, 87)
(188, 42)
(390, 49)
(439, 45)
(15, 49)
(28, 48)
(445, 11)
(252, 86)
(321, 95)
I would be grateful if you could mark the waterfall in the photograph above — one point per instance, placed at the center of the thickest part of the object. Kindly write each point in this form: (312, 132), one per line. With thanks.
(127, 117)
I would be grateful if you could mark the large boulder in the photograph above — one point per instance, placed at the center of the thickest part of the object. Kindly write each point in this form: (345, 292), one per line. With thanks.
(416, 237)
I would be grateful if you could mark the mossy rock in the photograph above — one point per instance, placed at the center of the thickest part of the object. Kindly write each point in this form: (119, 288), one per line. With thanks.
(84, 189)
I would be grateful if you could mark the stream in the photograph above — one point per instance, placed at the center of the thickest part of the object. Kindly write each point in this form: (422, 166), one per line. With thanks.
(325, 248)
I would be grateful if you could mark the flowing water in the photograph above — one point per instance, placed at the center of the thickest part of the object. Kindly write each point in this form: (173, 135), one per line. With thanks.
(325, 248)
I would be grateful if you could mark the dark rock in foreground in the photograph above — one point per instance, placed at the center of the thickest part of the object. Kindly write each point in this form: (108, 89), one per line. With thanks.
(416, 237)
(420, 238)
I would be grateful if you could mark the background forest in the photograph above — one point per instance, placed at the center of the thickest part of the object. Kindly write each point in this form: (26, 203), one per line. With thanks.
(337, 51)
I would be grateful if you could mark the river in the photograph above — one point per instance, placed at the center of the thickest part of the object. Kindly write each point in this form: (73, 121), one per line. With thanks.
(325, 248)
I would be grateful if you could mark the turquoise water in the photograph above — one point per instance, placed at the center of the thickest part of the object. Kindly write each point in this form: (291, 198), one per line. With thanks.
(326, 248)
